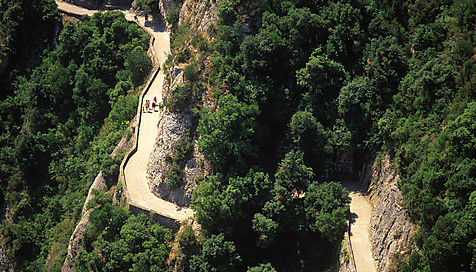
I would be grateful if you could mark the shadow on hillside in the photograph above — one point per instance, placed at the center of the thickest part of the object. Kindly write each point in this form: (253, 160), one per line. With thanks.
(157, 24)
(352, 186)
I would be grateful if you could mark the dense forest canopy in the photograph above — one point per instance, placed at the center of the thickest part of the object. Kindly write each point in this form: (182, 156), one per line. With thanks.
(297, 87)
(339, 78)
(62, 113)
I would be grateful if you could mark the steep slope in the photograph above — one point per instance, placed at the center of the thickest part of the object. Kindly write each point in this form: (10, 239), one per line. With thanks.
(391, 231)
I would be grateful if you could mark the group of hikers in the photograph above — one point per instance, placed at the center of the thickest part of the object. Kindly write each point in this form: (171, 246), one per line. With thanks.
(150, 105)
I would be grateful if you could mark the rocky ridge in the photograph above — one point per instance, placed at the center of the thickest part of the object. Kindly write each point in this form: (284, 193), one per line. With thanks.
(200, 14)
(172, 126)
(75, 242)
(391, 232)
(346, 257)
(5, 247)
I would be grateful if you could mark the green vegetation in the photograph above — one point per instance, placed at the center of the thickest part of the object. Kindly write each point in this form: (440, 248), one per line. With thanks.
(280, 93)
(118, 241)
(147, 5)
(61, 118)
(299, 86)
(174, 174)
(20, 24)
(217, 255)
(173, 17)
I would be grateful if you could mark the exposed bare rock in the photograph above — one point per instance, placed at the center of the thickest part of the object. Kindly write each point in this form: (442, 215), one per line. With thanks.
(172, 126)
(200, 14)
(175, 122)
(346, 259)
(391, 232)
(75, 242)
(5, 248)
(5, 264)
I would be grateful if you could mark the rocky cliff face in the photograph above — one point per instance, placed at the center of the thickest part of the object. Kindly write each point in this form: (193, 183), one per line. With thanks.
(200, 14)
(75, 242)
(346, 258)
(5, 248)
(172, 127)
(391, 232)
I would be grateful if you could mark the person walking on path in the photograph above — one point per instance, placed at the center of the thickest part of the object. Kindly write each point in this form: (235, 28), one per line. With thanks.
(135, 17)
(147, 105)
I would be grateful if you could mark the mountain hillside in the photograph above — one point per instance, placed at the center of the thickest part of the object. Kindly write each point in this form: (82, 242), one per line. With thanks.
(270, 109)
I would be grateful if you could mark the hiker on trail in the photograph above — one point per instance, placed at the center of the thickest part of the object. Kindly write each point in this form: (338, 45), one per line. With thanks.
(147, 105)
(146, 17)
(135, 17)
(153, 105)
(155, 99)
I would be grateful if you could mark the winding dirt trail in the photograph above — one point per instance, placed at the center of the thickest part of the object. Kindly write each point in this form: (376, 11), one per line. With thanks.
(361, 212)
(135, 169)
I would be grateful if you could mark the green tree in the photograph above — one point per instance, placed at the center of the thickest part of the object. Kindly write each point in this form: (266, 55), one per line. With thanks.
(310, 136)
(227, 206)
(187, 240)
(216, 255)
(321, 79)
(226, 11)
(138, 64)
(266, 267)
(147, 5)
(226, 134)
(327, 209)
(286, 209)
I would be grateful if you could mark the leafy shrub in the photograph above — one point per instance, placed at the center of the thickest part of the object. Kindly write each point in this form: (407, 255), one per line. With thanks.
(191, 72)
(173, 17)
(147, 5)
(174, 174)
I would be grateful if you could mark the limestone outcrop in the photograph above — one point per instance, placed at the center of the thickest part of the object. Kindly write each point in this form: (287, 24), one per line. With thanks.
(172, 126)
(75, 242)
(5, 248)
(391, 232)
(346, 258)
(200, 14)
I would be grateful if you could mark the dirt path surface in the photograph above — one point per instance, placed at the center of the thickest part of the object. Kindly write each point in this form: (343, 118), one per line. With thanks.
(136, 167)
(361, 212)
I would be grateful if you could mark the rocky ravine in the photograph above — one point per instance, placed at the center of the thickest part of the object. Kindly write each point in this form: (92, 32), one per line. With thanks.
(201, 15)
(391, 232)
